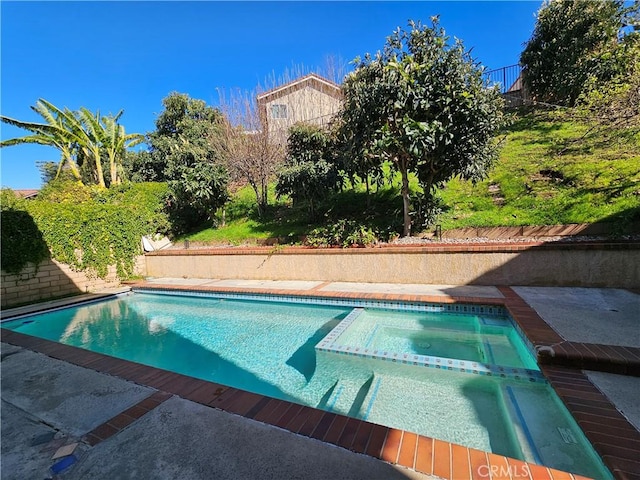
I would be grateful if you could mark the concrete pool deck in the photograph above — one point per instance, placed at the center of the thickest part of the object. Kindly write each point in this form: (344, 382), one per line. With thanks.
(156, 441)
(48, 403)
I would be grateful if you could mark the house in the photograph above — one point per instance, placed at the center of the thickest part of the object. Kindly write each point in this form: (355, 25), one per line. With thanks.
(27, 194)
(309, 99)
(509, 79)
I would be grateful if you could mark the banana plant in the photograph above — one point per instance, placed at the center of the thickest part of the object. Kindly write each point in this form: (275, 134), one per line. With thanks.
(90, 129)
(115, 142)
(80, 134)
(54, 133)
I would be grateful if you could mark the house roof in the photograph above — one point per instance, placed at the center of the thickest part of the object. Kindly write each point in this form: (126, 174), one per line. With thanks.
(517, 85)
(26, 193)
(312, 80)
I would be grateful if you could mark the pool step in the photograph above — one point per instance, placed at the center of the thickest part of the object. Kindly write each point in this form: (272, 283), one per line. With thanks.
(562, 445)
(347, 396)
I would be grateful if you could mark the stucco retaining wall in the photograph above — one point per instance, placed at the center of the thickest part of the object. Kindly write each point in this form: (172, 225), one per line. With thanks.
(586, 265)
(54, 279)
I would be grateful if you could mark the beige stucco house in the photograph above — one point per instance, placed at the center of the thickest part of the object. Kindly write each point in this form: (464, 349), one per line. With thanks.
(309, 99)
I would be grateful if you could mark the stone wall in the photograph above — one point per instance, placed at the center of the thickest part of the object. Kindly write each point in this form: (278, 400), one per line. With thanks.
(584, 265)
(54, 279)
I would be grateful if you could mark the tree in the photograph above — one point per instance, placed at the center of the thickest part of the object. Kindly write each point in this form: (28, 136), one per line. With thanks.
(115, 143)
(423, 105)
(245, 147)
(575, 42)
(56, 132)
(143, 167)
(614, 108)
(308, 174)
(83, 138)
(183, 144)
(355, 123)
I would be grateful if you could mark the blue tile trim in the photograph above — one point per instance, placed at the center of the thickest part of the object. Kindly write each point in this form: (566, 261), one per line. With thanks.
(80, 303)
(495, 310)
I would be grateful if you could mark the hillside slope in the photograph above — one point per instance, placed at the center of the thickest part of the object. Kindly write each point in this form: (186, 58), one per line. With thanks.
(550, 173)
(552, 170)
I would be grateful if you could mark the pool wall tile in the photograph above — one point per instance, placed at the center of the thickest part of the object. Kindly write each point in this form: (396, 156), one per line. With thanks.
(317, 300)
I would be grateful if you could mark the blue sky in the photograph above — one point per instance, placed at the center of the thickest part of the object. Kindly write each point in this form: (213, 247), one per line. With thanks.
(109, 56)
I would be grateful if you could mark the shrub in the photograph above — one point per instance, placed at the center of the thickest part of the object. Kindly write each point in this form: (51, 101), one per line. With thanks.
(344, 233)
(89, 232)
(22, 243)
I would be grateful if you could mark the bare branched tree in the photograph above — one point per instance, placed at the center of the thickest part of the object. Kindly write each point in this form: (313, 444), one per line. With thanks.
(334, 69)
(253, 140)
(244, 144)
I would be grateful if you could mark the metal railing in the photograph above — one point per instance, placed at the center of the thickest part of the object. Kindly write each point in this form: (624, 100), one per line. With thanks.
(509, 78)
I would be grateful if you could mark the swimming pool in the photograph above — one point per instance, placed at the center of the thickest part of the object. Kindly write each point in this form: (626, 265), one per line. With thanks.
(384, 363)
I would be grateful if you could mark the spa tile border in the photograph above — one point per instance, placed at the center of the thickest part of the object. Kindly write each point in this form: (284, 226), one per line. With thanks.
(423, 454)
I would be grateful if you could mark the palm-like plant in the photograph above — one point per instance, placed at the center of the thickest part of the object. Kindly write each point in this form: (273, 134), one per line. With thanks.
(91, 131)
(115, 142)
(80, 134)
(54, 133)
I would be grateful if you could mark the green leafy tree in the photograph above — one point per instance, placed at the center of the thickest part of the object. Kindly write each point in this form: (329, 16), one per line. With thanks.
(356, 158)
(49, 171)
(182, 145)
(423, 105)
(613, 109)
(143, 167)
(308, 174)
(575, 42)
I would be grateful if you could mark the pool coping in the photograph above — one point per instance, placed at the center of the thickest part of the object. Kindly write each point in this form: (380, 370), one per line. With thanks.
(612, 436)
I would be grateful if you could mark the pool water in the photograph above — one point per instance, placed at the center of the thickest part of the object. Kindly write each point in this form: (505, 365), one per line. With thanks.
(269, 348)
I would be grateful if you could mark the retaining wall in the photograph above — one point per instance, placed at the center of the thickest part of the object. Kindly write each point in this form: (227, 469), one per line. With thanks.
(54, 279)
(529, 232)
(552, 264)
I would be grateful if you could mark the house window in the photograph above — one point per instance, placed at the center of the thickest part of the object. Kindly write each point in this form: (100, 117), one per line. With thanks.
(278, 111)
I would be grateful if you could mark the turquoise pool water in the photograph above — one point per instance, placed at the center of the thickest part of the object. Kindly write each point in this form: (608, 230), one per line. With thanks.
(269, 348)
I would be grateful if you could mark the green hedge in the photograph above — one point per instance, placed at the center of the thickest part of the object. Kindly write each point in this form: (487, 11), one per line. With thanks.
(84, 228)
(20, 239)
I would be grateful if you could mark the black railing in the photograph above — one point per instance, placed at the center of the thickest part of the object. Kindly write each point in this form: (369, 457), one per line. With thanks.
(509, 78)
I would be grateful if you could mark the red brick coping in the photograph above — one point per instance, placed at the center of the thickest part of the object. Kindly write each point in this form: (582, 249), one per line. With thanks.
(613, 437)
(126, 418)
(501, 247)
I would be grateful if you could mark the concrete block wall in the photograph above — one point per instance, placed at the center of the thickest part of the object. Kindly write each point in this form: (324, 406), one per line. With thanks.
(54, 279)
(580, 265)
